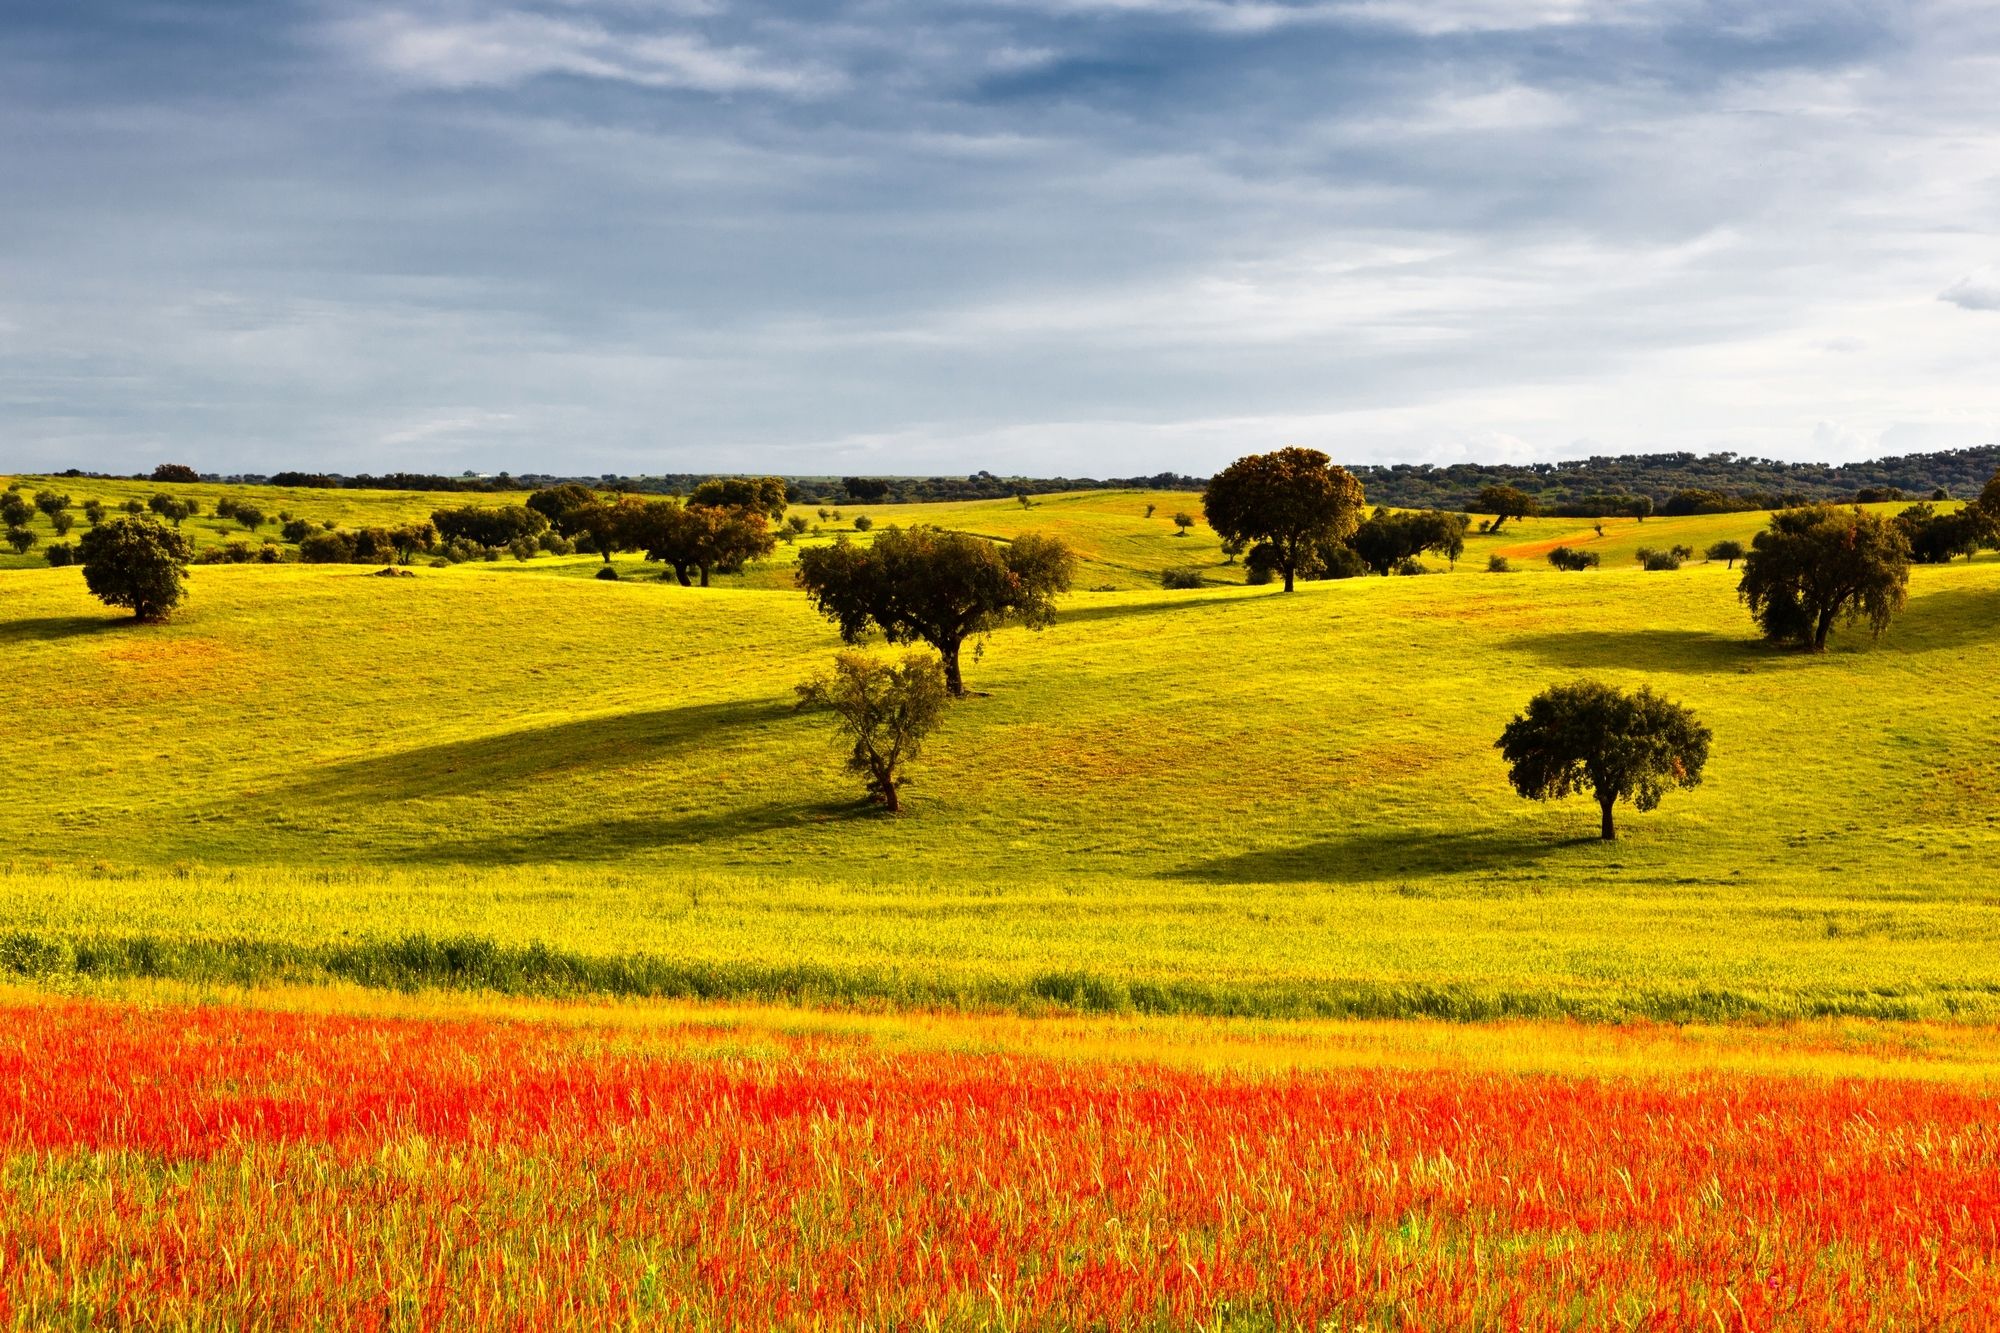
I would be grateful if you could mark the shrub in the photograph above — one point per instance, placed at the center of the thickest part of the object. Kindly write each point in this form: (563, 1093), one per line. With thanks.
(556, 544)
(522, 548)
(93, 512)
(14, 511)
(268, 554)
(862, 522)
(225, 507)
(1569, 558)
(175, 472)
(62, 521)
(1257, 574)
(250, 516)
(51, 503)
(297, 529)
(1499, 564)
(327, 548)
(1181, 577)
(1684, 552)
(60, 554)
(1410, 566)
(21, 539)
(1662, 560)
(608, 572)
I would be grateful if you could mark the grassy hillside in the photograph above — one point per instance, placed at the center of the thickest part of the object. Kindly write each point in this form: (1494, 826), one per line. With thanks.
(1221, 799)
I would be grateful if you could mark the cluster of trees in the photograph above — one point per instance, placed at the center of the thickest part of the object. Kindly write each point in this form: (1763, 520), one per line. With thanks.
(721, 526)
(1747, 483)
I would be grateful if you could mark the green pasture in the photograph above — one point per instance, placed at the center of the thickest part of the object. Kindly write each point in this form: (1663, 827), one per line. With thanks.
(1224, 799)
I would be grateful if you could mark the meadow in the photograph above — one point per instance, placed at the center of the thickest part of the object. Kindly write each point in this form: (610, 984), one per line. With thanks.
(1224, 800)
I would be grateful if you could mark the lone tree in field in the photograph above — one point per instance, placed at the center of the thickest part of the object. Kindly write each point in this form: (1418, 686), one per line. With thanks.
(180, 472)
(1504, 502)
(885, 710)
(136, 563)
(1731, 551)
(1292, 501)
(1619, 746)
(924, 584)
(1817, 564)
(1183, 521)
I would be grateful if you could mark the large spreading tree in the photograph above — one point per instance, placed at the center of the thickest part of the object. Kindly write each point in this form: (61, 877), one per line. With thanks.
(1505, 502)
(1618, 746)
(1293, 502)
(923, 584)
(136, 563)
(699, 539)
(1817, 564)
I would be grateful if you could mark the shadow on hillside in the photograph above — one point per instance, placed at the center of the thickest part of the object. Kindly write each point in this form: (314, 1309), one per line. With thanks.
(1668, 649)
(48, 629)
(573, 749)
(610, 839)
(1071, 614)
(1366, 857)
(1946, 619)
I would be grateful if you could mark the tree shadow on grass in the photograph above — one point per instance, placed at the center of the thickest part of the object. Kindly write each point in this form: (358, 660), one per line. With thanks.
(49, 629)
(1368, 857)
(611, 839)
(1120, 610)
(1945, 619)
(1655, 649)
(534, 754)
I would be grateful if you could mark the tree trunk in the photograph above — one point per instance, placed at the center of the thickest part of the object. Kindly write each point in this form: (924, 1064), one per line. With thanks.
(952, 680)
(605, 551)
(704, 576)
(1606, 830)
(1820, 631)
(1288, 578)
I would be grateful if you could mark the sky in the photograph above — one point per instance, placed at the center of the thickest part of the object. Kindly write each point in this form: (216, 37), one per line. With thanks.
(1044, 237)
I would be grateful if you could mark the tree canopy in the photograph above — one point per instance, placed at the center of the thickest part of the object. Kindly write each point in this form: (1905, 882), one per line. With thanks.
(489, 525)
(1814, 565)
(765, 495)
(1505, 502)
(1388, 538)
(941, 588)
(136, 563)
(1619, 746)
(698, 539)
(1293, 501)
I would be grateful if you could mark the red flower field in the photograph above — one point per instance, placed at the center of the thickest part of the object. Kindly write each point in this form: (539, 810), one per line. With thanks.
(221, 1166)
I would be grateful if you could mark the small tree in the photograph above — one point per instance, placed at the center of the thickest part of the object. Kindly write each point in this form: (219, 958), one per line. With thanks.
(1504, 502)
(1729, 551)
(1819, 563)
(941, 588)
(1619, 746)
(412, 539)
(15, 512)
(863, 523)
(250, 516)
(135, 563)
(62, 521)
(1150, 509)
(883, 711)
(175, 472)
(93, 512)
(51, 502)
(1293, 501)
(1569, 558)
(174, 510)
(797, 524)
(21, 539)
(1183, 520)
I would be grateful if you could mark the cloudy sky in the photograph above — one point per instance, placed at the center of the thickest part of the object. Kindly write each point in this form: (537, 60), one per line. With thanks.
(1093, 237)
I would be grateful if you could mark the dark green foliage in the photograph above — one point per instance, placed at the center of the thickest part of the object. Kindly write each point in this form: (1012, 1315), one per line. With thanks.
(697, 539)
(608, 572)
(765, 495)
(21, 539)
(174, 510)
(1700, 500)
(1180, 578)
(862, 523)
(136, 563)
(62, 521)
(250, 516)
(1293, 502)
(175, 472)
(489, 525)
(1183, 520)
(1661, 560)
(864, 490)
(883, 712)
(1730, 551)
(1937, 539)
(1814, 565)
(327, 548)
(554, 543)
(1387, 538)
(93, 512)
(15, 512)
(412, 539)
(924, 584)
(1504, 502)
(297, 529)
(1618, 746)
(1570, 558)
(1499, 564)
(560, 504)
(59, 554)
(51, 502)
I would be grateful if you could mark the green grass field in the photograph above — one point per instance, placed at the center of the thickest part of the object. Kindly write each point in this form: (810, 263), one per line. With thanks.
(1226, 799)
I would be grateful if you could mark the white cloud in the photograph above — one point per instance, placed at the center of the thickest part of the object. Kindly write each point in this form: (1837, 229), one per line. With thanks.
(1978, 290)
(513, 47)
